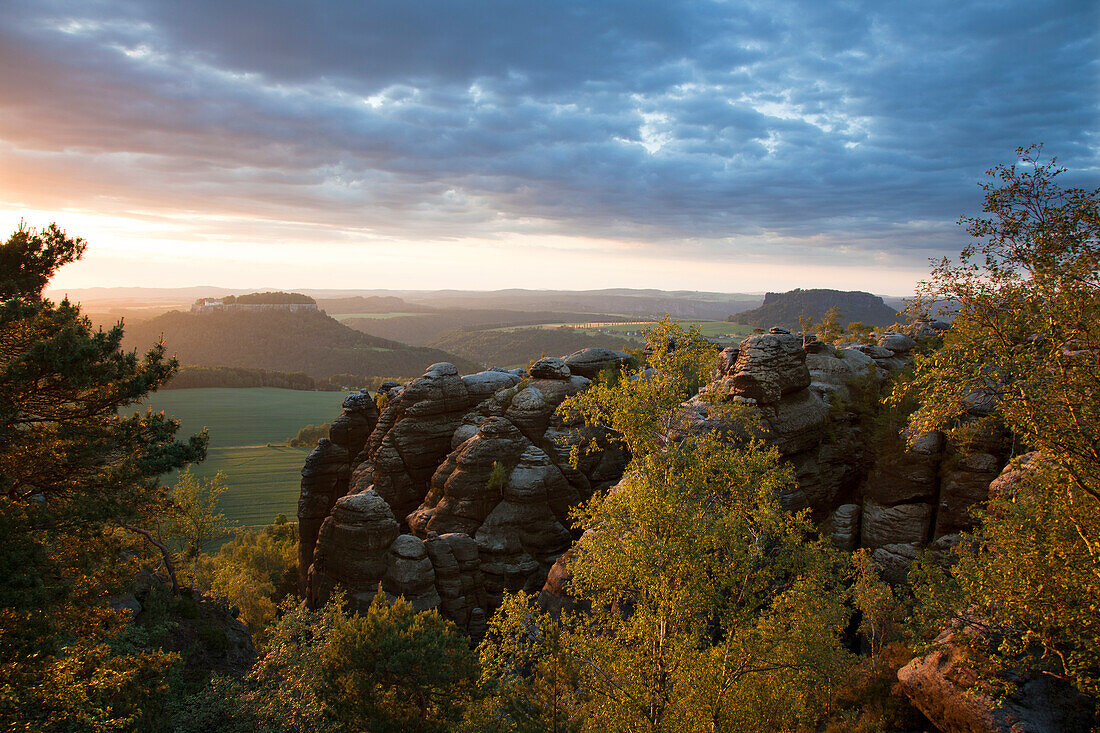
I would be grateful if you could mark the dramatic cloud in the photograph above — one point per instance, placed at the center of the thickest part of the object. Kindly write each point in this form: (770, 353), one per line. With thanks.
(708, 132)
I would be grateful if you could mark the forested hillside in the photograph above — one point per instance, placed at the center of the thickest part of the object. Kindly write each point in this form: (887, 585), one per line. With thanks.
(309, 342)
(370, 304)
(517, 347)
(784, 309)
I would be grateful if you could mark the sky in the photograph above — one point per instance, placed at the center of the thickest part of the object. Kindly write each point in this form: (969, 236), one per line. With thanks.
(422, 144)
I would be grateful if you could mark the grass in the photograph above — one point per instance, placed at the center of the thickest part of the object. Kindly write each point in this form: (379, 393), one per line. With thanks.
(710, 329)
(263, 479)
(263, 482)
(254, 416)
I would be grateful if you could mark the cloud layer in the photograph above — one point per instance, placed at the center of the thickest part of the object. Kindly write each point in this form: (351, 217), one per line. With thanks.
(704, 131)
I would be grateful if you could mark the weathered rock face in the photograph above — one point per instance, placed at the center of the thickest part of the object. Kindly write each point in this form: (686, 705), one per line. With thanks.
(352, 548)
(907, 474)
(590, 362)
(965, 485)
(492, 513)
(415, 430)
(842, 526)
(327, 470)
(941, 685)
(324, 480)
(769, 366)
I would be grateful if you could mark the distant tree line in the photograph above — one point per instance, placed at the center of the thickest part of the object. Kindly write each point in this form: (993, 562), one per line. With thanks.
(269, 298)
(510, 348)
(196, 377)
(191, 377)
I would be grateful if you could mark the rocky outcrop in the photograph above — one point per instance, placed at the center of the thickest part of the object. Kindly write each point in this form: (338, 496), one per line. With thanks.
(590, 362)
(460, 490)
(942, 685)
(326, 473)
(491, 515)
(965, 485)
(415, 430)
(768, 367)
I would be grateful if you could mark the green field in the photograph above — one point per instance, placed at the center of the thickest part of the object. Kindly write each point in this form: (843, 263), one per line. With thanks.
(710, 329)
(255, 416)
(263, 480)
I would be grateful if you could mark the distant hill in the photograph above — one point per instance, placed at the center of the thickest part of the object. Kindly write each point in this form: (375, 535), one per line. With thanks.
(636, 304)
(371, 304)
(518, 347)
(284, 341)
(783, 309)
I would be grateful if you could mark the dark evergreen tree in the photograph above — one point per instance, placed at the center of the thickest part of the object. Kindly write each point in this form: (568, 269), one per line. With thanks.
(79, 494)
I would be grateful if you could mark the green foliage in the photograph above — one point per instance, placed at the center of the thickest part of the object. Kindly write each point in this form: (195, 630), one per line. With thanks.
(529, 680)
(861, 332)
(77, 482)
(498, 477)
(255, 571)
(89, 686)
(29, 259)
(1027, 579)
(390, 669)
(710, 609)
(830, 330)
(195, 377)
(193, 519)
(214, 708)
(880, 611)
(706, 605)
(269, 298)
(1026, 299)
(644, 411)
(308, 436)
(806, 327)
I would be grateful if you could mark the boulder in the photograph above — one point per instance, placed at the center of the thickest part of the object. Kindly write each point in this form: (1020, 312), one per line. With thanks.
(888, 525)
(550, 367)
(590, 362)
(943, 686)
(1007, 483)
(842, 527)
(768, 367)
(894, 560)
(897, 342)
(353, 549)
(410, 573)
(353, 427)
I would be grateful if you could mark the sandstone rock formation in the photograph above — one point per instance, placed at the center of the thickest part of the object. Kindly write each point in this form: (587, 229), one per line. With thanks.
(461, 492)
(942, 686)
(327, 470)
(460, 489)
